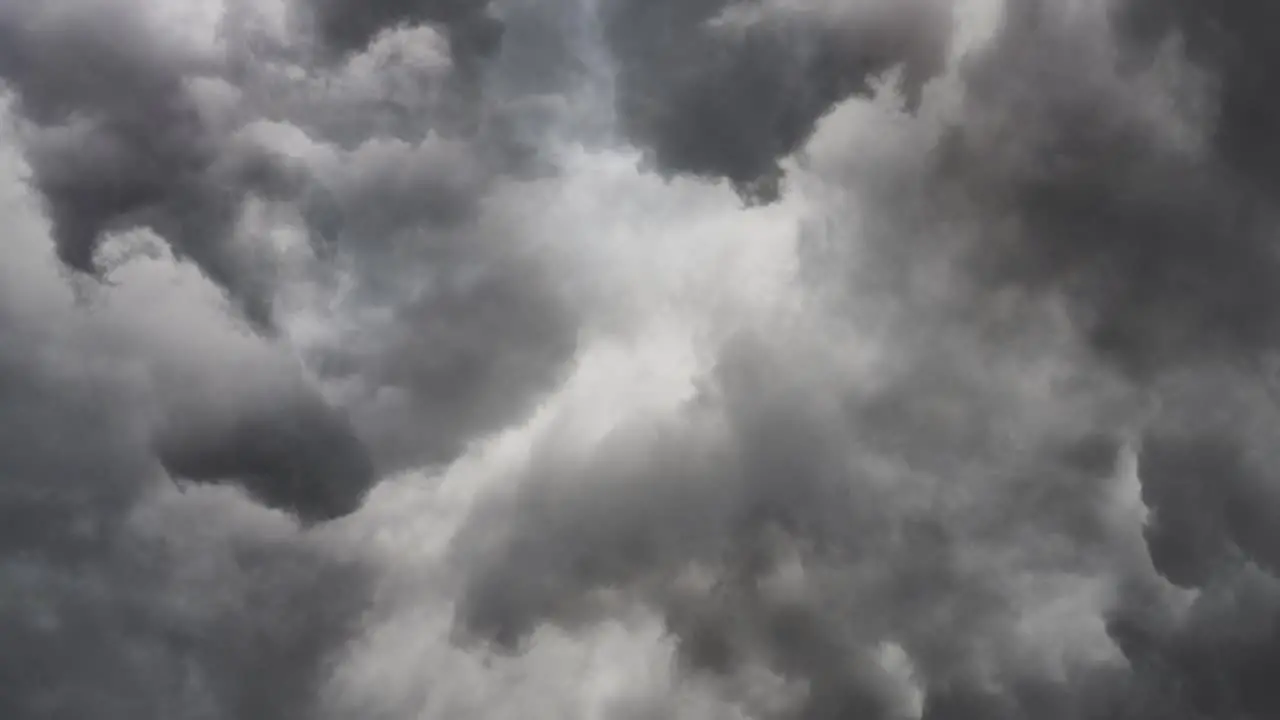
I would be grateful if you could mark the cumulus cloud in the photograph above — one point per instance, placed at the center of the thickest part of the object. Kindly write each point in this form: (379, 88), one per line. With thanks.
(724, 88)
(347, 26)
(423, 359)
(121, 139)
(1117, 194)
(123, 596)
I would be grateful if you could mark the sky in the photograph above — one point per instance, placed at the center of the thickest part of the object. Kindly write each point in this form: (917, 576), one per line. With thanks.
(639, 360)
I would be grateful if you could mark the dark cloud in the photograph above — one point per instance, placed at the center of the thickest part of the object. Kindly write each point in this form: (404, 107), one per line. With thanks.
(768, 526)
(349, 25)
(462, 328)
(49, 491)
(1139, 189)
(158, 151)
(474, 35)
(121, 141)
(907, 498)
(297, 453)
(1208, 480)
(128, 596)
(1079, 177)
(122, 598)
(455, 327)
(721, 88)
(460, 362)
(1097, 167)
(1214, 660)
(238, 627)
(1230, 40)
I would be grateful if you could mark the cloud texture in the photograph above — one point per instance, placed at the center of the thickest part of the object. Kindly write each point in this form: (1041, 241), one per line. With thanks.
(622, 359)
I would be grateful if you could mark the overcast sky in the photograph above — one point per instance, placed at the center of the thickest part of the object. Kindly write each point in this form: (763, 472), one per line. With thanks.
(639, 360)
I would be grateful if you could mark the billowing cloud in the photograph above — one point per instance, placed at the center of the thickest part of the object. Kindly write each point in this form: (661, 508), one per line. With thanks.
(344, 25)
(422, 359)
(120, 137)
(124, 596)
(1115, 192)
(726, 88)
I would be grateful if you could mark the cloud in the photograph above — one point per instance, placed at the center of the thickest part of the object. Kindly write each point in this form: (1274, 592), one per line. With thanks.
(454, 326)
(296, 453)
(1089, 188)
(345, 26)
(197, 141)
(1228, 40)
(727, 89)
(120, 139)
(123, 596)
(433, 365)
(1116, 193)
(788, 521)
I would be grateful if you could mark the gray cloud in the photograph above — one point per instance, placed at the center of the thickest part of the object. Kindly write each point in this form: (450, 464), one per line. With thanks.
(455, 327)
(472, 31)
(345, 25)
(233, 625)
(1048, 494)
(124, 596)
(797, 525)
(1077, 178)
(121, 596)
(121, 141)
(458, 327)
(1114, 200)
(460, 362)
(298, 453)
(1139, 191)
(1230, 40)
(185, 160)
(722, 88)
(1208, 480)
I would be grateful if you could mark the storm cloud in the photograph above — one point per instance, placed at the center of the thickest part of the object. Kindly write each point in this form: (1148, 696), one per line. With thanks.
(120, 138)
(123, 596)
(772, 359)
(726, 88)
